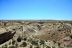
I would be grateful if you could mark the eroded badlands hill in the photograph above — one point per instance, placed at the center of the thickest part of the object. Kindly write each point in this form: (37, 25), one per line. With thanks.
(36, 34)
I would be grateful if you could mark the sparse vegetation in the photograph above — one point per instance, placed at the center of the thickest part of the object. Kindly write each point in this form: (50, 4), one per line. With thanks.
(5, 46)
(71, 36)
(9, 42)
(37, 47)
(30, 46)
(42, 42)
(24, 44)
(11, 47)
(19, 39)
(13, 42)
(48, 47)
(23, 38)
(34, 43)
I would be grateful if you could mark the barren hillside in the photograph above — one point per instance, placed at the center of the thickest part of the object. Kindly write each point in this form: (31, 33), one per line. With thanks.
(35, 34)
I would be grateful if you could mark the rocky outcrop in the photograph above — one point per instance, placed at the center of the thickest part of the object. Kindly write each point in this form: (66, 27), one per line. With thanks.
(6, 36)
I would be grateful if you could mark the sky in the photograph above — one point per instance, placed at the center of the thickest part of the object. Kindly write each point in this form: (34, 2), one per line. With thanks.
(35, 9)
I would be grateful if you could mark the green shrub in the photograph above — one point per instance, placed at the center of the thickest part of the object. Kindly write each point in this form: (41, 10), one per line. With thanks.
(24, 44)
(30, 46)
(5, 46)
(48, 47)
(11, 47)
(71, 36)
(13, 42)
(42, 42)
(25, 39)
(37, 47)
(34, 42)
(19, 39)
(9, 42)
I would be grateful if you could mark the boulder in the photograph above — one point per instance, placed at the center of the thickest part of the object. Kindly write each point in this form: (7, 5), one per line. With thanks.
(6, 36)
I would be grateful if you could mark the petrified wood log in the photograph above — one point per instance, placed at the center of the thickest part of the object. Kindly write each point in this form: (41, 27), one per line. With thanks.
(6, 36)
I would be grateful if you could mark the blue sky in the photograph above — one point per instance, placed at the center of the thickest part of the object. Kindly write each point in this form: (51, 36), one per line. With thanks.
(36, 9)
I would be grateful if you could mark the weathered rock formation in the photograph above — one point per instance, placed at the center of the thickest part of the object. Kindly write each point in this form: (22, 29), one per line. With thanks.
(6, 36)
